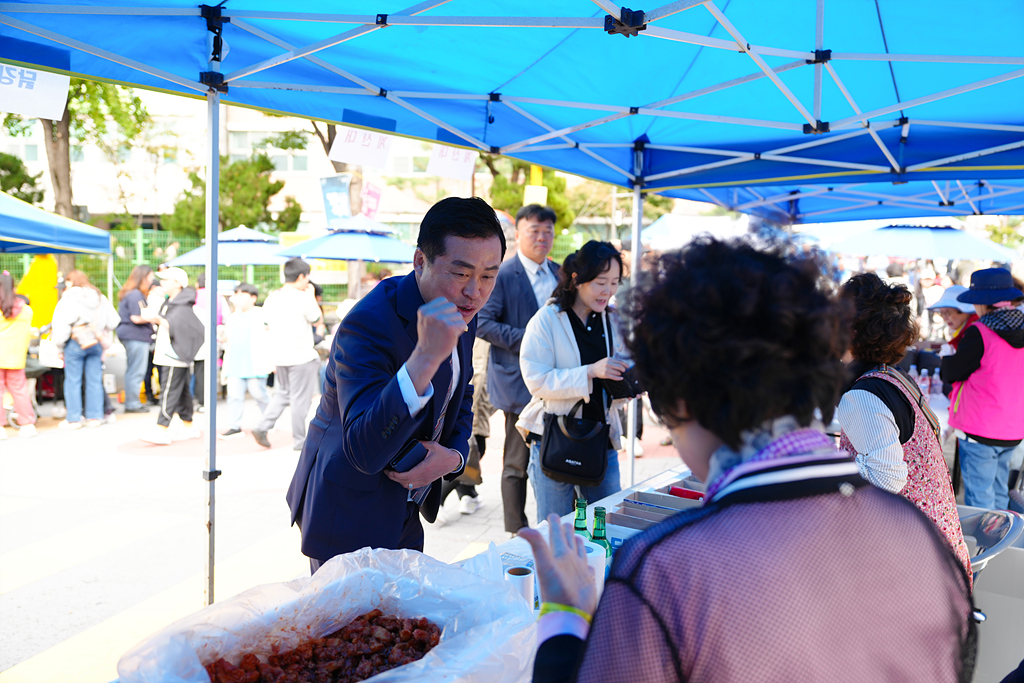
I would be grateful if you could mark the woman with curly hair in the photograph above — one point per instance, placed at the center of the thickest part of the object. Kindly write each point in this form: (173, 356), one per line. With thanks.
(794, 568)
(887, 425)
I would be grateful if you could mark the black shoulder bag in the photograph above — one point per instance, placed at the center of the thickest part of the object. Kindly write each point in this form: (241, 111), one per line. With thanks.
(574, 450)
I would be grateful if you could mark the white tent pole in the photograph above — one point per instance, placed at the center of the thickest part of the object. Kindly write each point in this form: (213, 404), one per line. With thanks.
(634, 278)
(670, 9)
(970, 155)
(967, 196)
(210, 388)
(110, 277)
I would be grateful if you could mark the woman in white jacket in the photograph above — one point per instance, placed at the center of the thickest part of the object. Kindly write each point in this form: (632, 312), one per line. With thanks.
(564, 355)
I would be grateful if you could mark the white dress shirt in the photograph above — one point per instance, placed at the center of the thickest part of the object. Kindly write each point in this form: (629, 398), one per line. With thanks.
(542, 279)
(872, 429)
(417, 403)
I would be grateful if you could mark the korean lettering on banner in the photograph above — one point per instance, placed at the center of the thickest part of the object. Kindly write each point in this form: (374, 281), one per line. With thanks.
(32, 93)
(337, 206)
(360, 147)
(452, 162)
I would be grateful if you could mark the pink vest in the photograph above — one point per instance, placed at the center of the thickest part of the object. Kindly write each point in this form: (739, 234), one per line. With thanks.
(990, 403)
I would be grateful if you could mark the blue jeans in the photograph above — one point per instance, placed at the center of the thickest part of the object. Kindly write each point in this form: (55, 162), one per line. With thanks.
(237, 386)
(560, 498)
(137, 353)
(986, 473)
(83, 366)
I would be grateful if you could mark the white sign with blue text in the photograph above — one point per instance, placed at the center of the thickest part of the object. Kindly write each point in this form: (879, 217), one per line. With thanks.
(33, 93)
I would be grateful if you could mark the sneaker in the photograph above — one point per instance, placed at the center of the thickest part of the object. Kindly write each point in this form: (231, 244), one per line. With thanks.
(625, 446)
(200, 409)
(442, 518)
(468, 505)
(109, 419)
(93, 424)
(27, 432)
(187, 433)
(58, 412)
(231, 434)
(64, 424)
(161, 437)
(140, 409)
(261, 438)
(151, 400)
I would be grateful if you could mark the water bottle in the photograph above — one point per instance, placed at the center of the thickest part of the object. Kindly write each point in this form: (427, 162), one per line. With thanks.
(924, 384)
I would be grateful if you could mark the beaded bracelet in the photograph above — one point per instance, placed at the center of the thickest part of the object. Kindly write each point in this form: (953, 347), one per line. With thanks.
(549, 607)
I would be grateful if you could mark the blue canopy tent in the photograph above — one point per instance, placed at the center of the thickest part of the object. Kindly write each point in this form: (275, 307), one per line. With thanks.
(938, 244)
(26, 229)
(350, 245)
(240, 246)
(743, 93)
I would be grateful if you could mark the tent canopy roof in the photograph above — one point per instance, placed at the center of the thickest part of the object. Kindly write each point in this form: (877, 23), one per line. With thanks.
(707, 94)
(26, 229)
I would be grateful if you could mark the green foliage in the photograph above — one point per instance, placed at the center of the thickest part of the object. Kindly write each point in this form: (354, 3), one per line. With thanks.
(17, 126)
(110, 116)
(245, 193)
(1008, 233)
(721, 211)
(509, 185)
(656, 206)
(290, 139)
(16, 181)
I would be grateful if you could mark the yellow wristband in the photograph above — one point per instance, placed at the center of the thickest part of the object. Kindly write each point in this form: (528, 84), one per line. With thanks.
(549, 607)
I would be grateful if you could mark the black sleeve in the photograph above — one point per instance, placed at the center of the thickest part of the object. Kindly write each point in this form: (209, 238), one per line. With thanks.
(967, 359)
(557, 659)
(894, 400)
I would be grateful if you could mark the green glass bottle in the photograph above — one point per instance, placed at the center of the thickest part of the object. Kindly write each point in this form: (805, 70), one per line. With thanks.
(601, 538)
(580, 524)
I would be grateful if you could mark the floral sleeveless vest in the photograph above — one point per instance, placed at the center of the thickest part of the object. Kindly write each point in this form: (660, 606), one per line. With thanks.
(928, 483)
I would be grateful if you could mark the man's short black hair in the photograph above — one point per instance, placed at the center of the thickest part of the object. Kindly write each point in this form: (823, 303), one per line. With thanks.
(536, 212)
(248, 289)
(468, 218)
(293, 268)
(317, 289)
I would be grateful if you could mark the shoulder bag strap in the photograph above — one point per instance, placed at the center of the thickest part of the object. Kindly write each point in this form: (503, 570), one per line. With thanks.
(915, 391)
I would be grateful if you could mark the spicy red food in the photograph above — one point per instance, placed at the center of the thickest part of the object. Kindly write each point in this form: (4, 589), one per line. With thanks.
(373, 643)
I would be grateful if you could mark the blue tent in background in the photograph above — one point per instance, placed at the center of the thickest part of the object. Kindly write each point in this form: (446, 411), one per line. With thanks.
(239, 246)
(25, 229)
(705, 94)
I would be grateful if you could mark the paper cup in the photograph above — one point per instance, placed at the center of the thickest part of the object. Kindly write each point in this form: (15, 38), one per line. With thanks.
(522, 579)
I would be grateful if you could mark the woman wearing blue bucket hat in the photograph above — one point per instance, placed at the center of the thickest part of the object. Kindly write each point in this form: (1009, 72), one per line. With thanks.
(987, 373)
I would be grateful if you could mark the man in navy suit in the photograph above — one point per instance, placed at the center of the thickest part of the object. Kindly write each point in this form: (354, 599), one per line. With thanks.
(525, 283)
(399, 372)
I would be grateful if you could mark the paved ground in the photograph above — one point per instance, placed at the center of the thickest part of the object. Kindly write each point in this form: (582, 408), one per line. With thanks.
(102, 536)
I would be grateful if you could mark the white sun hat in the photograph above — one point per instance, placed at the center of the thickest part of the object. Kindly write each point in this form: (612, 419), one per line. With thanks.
(948, 300)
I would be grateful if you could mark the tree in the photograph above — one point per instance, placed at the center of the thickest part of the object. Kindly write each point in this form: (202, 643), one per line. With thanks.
(16, 181)
(593, 199)
(245, 193)
(1007, 232)
(355, 188)
(509, 187)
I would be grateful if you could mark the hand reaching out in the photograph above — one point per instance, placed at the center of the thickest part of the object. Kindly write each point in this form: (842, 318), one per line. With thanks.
(562, 569)
(607, 368)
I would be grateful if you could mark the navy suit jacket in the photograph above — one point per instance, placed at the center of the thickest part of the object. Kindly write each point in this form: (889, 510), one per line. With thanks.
(339, 495)
(502, 323)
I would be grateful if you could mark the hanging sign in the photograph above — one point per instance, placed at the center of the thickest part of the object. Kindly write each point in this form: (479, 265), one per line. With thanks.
(535, 194)
(371, 200)
(337, 205)
(360, 147)
(451, 162)
(33, 93)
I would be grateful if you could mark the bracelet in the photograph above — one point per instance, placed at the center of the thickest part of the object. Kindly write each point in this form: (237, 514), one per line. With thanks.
(549, 607)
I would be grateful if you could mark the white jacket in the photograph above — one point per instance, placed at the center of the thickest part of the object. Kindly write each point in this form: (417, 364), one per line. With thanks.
(550, 360)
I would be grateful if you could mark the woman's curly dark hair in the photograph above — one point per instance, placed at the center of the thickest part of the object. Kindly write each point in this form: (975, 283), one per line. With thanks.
(742, 334)
(883, 325)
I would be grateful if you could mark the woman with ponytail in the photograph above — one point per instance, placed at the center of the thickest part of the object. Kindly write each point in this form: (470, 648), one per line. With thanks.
(566, 356)
(886, 425)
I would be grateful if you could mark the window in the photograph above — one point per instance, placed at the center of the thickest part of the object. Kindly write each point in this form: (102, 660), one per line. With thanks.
(238, 140)
(300, 162)
(419, 164)
(31, 152)
(280, 162)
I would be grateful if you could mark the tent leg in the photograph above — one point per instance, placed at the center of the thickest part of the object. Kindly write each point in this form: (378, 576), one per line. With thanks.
(210, 385)
(634, 276)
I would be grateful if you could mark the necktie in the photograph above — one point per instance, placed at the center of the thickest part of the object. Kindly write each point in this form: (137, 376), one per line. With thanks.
(419, 495)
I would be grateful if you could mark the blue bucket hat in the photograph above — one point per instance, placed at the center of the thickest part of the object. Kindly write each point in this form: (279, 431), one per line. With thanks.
(990, 286)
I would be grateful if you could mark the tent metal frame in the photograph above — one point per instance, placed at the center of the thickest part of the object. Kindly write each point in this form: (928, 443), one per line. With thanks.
(804, 120)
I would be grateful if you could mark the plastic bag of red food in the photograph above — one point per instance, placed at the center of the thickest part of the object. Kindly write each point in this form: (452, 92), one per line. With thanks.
(487, 630)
